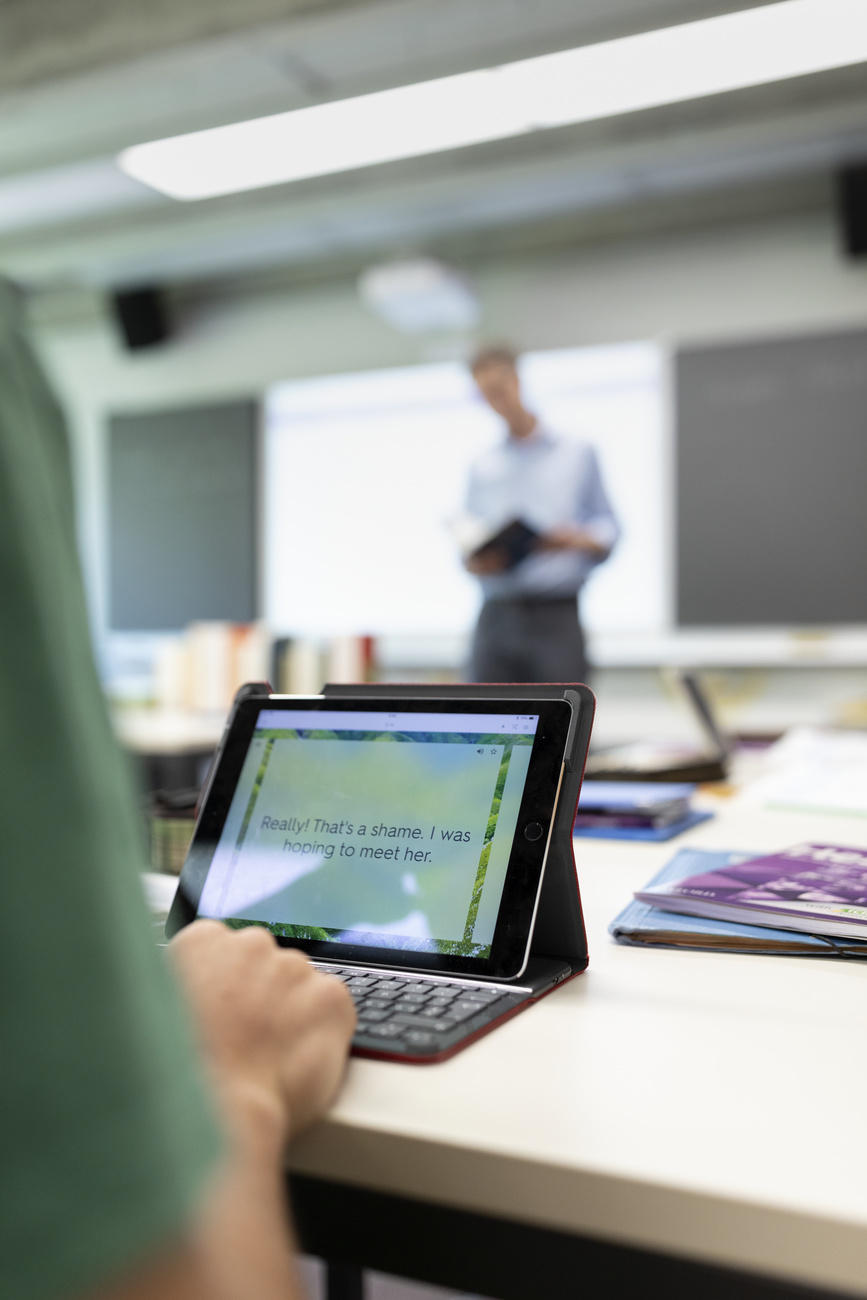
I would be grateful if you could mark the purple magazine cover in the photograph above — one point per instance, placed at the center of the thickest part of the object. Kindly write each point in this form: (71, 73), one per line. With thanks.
(821, 888)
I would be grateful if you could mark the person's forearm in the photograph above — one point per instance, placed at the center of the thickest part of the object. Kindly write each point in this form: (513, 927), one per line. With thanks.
(572, 537)
(583, 540)
(274, 1035)
(245, 1229)
(240, 1244)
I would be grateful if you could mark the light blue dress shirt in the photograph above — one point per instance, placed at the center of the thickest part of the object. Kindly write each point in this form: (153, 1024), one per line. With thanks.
(547, 481)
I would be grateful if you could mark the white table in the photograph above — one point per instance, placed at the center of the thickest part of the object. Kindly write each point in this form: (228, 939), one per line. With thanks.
(167, 731)
(705, 1107)
(172, 748)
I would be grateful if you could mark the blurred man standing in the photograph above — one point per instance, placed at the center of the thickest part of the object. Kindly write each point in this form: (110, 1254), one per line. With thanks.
(528, 628)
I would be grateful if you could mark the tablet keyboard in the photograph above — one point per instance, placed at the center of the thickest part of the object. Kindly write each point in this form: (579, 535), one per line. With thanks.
(414, 1016)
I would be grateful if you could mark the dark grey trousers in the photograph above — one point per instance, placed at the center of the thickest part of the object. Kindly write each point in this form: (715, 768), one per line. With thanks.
(528, 640)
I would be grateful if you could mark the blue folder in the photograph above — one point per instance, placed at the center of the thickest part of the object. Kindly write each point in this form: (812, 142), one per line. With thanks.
(645, 926)
(654, 834)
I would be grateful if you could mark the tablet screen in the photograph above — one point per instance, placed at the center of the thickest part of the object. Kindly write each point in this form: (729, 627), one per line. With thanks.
(375, 828)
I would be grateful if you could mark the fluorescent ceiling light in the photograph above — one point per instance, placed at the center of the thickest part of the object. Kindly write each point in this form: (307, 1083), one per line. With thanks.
(714, 55)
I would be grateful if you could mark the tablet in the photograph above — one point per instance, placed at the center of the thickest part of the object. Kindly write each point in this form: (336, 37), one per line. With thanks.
(410, 834)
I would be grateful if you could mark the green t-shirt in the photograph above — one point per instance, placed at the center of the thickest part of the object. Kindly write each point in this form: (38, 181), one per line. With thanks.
(106, 1133)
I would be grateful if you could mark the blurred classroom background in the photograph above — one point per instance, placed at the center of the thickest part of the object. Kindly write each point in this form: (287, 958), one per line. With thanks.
(270, 410)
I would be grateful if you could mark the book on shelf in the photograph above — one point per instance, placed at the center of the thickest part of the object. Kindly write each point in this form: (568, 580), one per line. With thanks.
(202, 667)
(815, 888)
(300, 665)
(642, 924)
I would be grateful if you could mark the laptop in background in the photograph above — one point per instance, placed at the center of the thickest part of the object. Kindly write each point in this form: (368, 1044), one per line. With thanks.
(705, 759)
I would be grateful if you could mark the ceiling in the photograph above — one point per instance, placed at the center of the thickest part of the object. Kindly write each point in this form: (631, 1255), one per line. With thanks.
(81, 79)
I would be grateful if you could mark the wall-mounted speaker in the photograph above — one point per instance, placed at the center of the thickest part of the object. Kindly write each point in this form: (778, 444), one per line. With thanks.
(142, 316)
(852, 196)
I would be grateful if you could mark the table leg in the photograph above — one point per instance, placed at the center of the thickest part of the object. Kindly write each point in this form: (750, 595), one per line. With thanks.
(343, 1282)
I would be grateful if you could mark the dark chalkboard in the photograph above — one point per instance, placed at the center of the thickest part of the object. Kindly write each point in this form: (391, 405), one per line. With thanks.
(182, 516)
(771, 482)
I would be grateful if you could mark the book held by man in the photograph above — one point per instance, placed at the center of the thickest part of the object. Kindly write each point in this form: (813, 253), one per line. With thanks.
(512, 542)
(817, 888)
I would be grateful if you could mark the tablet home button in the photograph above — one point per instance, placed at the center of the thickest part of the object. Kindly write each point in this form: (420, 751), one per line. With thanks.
(533, 831)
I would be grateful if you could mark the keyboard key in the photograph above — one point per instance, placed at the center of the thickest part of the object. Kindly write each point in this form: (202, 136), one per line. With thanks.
(386, 1031)
(427, 1023)
(435, 1013)
(459, 1014)
(411, 1018)
(479, 1003)
(421, 1038)
(366, 1027)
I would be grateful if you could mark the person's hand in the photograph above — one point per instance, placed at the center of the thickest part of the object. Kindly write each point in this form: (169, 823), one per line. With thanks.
(274, 1031)
(484, 564)
(570, 537)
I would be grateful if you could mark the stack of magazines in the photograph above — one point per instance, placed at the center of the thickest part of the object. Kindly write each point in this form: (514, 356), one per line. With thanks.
(810, 899)
(646, 810)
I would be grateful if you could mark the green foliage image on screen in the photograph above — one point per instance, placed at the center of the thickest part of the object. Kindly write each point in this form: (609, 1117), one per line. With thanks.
(382, 838)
